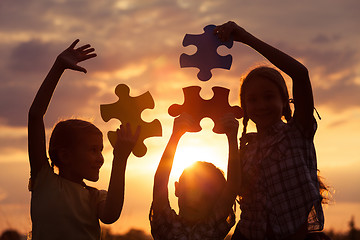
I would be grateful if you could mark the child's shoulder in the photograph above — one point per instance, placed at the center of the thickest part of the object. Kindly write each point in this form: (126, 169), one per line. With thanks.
(43, 175)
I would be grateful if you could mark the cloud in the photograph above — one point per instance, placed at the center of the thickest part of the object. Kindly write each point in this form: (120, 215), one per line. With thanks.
(333, 71)
(72, 98)
(13, 182)
(31, 56)
(325, 39)
(12, 140)
(340, 96)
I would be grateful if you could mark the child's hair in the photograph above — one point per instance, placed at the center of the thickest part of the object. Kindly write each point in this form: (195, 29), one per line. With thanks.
(65, 135)
(325, 190)
(203, 171)
(272, 75)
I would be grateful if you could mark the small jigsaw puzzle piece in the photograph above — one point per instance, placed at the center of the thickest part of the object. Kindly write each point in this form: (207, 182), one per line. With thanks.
(206, 57)
(214, 108)
(128, 110)
(153, 129)
(218, 106)
(193, 105)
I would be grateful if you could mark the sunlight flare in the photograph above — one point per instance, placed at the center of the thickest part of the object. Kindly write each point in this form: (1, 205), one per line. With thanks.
(200, 148)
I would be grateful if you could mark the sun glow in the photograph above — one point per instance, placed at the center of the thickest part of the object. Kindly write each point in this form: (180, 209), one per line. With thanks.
(200, 147)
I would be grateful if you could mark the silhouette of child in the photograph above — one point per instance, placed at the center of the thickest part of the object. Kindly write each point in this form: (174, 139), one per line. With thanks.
(63, 206)
(280, 196)
(205, 198)
(10, 235)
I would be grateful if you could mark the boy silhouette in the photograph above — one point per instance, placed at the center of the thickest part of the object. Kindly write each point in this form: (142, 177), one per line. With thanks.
(205, 198)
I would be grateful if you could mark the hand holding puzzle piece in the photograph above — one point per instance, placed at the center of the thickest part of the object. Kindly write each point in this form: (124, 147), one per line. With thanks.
(206, 57)
(128, 110)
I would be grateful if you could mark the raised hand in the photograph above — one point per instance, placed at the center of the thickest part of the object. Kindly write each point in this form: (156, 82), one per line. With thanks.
(70, 57)
(229, 30)
(182, 124)
(230, 125)
(125, 140)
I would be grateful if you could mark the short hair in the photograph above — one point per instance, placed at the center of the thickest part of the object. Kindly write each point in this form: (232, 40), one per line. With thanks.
(206, 171)
(10, 234)
(65, 135)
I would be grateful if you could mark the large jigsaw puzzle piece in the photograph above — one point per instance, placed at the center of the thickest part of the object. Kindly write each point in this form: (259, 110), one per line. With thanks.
(206, 57)
(128, 110)
(214, 108)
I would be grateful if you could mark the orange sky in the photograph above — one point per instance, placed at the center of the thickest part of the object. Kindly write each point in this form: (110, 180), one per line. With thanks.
(139, 43)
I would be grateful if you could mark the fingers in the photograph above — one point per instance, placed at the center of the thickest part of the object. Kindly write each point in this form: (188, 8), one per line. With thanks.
(78, 68)
(79, 54)
(125, 133)
(87, 51)
(84, 50)
(83, 47)
(74, 44)
(230, 124)
(225, 31)
(86, 57)
(125, 141)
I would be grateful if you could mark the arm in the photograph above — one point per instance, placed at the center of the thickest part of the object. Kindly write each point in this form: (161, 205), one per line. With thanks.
(231, 126)
(111, 209)
(161, 179)
(302, 92)
(36, 130)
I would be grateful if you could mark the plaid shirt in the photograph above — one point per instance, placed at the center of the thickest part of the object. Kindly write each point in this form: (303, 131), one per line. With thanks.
(280, 185)
(166, 224)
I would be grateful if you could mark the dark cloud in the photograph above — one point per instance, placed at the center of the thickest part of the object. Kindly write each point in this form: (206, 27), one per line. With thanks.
(26, 68)
(11, 144)
(72, 98)
(14, 104)
(325, 39)
(332, 61)
(340, 96)
(33, 56)
(336, 71)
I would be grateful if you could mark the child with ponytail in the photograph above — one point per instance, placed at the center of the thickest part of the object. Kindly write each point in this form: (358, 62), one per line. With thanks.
(280, 191)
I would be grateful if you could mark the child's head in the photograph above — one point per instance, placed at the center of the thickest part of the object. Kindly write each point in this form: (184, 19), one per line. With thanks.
(264, 97)
(198, 188)
(76, 148)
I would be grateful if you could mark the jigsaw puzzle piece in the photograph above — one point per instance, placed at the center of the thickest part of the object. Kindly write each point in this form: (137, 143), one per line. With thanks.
(193, 105)
(218, 106)
(206, 56)
(128, 110)
(214, 108)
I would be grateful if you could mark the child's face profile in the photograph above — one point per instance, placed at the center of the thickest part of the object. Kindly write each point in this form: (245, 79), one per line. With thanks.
(263, 101)
(87, 157)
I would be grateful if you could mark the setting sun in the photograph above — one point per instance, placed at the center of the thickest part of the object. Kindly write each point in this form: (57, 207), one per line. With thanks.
(200, 147)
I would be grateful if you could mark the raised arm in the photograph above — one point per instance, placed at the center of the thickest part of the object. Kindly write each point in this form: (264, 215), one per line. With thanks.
(302, 91)
(36, 130)
(231, 126)
(161, 179)
(111, 209)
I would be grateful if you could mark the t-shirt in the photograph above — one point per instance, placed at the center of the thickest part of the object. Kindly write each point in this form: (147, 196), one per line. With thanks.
(167, 225)
(280, 184)
(62, 209)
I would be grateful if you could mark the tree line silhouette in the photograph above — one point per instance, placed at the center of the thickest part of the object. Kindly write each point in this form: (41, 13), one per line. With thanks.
(353, 233)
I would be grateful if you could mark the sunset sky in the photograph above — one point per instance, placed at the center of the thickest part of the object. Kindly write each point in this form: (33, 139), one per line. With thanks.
(138, 43)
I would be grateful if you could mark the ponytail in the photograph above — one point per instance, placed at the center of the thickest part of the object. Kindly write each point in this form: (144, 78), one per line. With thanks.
(287, 110)
(243, 138)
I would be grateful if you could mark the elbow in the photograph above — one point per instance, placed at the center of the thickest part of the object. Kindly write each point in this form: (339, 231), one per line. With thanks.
(110, 219)
(301, 71)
